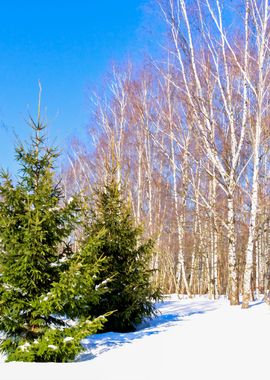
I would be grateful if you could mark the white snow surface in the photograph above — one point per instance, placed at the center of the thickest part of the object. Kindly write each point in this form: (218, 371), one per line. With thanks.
(190, 339)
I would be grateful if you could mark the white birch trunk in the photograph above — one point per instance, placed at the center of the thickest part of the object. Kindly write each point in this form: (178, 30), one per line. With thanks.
(251, 229)
(262, 47)
(233, 280)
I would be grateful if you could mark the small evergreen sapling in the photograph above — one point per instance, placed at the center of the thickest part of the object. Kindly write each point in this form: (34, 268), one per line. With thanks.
(127, 261)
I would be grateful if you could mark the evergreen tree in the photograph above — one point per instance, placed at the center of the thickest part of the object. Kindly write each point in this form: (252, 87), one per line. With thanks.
(126, 269)
(42, 279)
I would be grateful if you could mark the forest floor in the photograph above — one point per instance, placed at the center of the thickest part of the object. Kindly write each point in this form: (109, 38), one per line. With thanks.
(189, 339)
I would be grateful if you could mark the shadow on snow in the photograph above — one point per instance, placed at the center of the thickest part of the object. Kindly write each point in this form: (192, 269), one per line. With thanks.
(170, 313)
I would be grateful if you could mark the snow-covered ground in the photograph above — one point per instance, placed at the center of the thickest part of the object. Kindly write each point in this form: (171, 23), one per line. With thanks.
(190, 339)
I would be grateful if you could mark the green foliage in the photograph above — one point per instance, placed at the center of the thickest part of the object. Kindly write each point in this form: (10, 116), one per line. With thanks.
(76, 287)
(44, 283)
(42, 280)
(126, 270)
(55, 345)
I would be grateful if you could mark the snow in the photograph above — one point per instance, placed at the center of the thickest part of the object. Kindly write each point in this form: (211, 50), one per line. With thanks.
(190, 339)
(68, 339)
(24, 346)
(52, 346)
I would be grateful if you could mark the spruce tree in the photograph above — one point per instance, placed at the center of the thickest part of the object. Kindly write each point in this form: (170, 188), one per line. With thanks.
(126, 269)
(42, 279)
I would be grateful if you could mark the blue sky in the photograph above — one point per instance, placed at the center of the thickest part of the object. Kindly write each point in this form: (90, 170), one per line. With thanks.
(68, 46)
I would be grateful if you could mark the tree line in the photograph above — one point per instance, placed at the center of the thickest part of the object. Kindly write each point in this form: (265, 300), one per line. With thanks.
(189, 133)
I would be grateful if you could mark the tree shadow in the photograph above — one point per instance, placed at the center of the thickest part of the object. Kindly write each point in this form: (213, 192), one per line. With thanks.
(254, 303)
(170, 313)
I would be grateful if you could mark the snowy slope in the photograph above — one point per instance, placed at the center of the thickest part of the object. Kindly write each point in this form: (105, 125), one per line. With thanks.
(190, 339)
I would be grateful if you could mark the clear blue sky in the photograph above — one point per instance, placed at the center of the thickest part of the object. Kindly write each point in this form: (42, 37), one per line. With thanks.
(68, 46)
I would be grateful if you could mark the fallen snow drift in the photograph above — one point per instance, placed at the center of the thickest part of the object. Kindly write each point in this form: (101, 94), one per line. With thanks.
(190, 339)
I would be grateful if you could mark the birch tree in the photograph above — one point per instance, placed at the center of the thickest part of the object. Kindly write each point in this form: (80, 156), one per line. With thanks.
(210, 54)
(260, 14)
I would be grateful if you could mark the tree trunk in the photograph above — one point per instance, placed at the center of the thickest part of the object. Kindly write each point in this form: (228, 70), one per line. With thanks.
(233, 283)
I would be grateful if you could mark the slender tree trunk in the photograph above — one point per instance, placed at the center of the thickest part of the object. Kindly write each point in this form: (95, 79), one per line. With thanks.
(180, 269)
(262, 48)
(251, 234)
(213, 237)
(233, 280)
